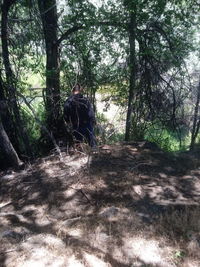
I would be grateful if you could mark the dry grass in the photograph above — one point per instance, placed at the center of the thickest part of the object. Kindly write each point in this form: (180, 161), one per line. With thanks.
(102, 214)
(180, 224)
(182, 229)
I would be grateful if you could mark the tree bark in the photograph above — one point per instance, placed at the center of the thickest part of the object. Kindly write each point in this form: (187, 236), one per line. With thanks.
(196, 121)
(132, 65)
(7, 148)
(6, 116)
(88, 77)
(48, 13)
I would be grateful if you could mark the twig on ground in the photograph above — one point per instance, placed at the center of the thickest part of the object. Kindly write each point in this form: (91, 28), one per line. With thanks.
(8, 251)
(140, 164)
(71, 219)
(88, 160)
(84, 194)
(80, 190)
(3, 205)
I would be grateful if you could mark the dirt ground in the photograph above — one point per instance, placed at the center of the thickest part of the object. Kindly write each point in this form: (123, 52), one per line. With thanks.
(130, 204)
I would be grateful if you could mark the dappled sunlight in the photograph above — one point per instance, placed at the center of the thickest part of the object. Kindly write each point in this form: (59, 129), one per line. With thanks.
(149, 251)
(93, 260)
(77, 79)
(117, 211)
(162, 175)
(69, 166)
(75, 232)
(42, 250)
(9, 176)
(73, 262)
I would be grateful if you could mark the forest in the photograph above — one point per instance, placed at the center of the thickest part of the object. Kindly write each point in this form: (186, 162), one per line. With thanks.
(142, 56)
(134, 201)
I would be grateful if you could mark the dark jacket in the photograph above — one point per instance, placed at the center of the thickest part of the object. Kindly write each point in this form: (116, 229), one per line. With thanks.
(78, 111)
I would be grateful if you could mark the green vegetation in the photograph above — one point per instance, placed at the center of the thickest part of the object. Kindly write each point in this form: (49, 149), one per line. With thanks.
(167, 140)
(140, 57)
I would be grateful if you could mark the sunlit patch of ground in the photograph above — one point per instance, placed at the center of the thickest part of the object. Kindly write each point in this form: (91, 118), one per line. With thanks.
(129, 206)
(149, 251)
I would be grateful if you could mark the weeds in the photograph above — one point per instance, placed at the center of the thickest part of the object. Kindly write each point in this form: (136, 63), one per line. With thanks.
(182, 224)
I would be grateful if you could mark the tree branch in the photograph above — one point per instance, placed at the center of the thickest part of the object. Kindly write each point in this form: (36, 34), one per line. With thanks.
(69, 32)
(42, 125)
(76, 28)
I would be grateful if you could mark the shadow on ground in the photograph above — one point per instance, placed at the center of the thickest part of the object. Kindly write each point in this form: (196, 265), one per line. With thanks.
(70, 202)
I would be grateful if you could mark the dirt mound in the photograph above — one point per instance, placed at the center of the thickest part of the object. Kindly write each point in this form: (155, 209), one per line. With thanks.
(113, 208)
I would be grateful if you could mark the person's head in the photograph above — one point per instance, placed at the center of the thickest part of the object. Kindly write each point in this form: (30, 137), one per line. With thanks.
(77, 89)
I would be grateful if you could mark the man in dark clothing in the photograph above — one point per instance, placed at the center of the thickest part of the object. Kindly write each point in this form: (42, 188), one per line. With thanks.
(79, 113)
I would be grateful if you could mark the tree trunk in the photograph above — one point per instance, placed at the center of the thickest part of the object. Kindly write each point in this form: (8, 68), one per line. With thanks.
(132, 65)
(7, 148)
(196, 121)
(10, 77)
(6, 116)
(88, 78)
(48, 12)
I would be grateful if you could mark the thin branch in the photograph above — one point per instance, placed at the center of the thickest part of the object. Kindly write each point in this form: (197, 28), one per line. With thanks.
(48, 9)
(20, 20)
(42, 126)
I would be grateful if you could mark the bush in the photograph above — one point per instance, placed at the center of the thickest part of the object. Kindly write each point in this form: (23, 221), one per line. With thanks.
(167, 139)
(107, 133)
(32, 127)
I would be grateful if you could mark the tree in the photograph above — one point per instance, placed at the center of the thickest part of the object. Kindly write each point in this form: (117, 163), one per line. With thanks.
(196, 120)
(132, 7)
(11, 81)
(159, 39)
(135, 49)
(7, 148)
(48, 13)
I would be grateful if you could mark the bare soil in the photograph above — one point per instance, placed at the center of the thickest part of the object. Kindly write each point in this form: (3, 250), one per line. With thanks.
(130, 204)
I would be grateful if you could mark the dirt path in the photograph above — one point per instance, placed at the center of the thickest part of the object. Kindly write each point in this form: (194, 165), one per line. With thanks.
(129, 205)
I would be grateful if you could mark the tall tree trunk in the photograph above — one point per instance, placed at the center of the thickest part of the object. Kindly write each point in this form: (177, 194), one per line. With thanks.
(196, 120)
(10, 77)
(48, 12)
(132, 64)
(6, 116)
(88, 78)
(7, 148)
